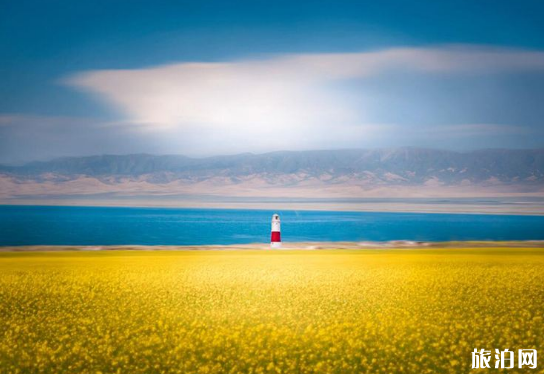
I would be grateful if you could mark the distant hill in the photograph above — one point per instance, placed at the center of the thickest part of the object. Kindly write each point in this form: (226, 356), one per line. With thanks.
(349, 173)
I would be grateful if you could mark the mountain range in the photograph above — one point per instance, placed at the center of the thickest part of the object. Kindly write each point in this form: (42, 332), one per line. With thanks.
(325, 173)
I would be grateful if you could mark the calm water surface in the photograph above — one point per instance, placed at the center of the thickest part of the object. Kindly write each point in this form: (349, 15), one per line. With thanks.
(35, 225)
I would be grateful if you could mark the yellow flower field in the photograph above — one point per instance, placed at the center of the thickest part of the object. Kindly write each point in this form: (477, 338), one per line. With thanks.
(383, 311)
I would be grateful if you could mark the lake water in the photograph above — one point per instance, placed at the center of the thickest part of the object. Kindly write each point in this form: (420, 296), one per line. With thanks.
(35, 225)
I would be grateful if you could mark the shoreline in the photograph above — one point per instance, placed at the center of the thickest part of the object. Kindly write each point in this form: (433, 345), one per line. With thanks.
(286, 246)
(409, 207)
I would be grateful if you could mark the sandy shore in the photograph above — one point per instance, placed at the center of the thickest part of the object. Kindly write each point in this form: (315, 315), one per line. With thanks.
(449, 206)
(286, 246)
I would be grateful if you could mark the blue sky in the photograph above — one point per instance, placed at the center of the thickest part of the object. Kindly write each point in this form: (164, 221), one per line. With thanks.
(213, 77)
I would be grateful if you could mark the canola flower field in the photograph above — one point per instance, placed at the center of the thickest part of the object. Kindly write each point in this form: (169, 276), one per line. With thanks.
(365, 311)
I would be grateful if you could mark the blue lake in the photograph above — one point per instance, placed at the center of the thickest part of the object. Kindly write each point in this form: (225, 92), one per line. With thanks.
(55, 225)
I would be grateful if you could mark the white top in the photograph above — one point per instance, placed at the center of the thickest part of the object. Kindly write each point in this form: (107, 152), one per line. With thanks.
(276, 223)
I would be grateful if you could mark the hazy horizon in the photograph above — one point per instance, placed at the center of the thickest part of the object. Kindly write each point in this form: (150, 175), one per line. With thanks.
(21, 163)
(174, 180)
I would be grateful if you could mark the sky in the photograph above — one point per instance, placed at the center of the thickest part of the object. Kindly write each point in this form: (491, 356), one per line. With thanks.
(205, 78)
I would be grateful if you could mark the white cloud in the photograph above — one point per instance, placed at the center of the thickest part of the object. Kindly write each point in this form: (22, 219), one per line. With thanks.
(278, 102)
